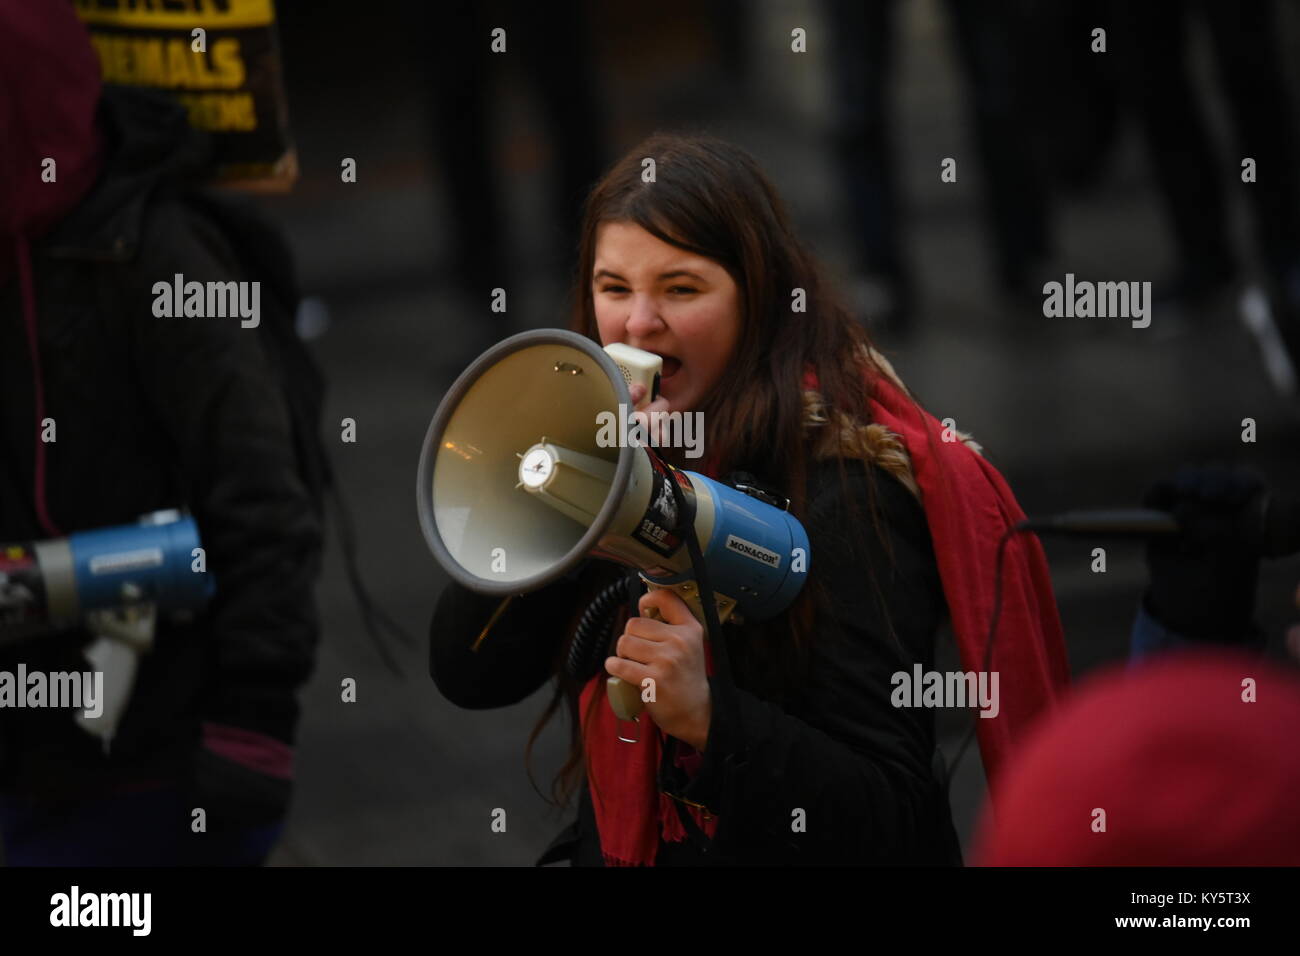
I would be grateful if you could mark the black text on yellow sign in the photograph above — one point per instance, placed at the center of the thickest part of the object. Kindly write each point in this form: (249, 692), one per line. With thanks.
(177, 14)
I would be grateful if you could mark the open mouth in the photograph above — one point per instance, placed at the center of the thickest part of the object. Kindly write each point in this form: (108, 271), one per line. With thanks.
(671, 367)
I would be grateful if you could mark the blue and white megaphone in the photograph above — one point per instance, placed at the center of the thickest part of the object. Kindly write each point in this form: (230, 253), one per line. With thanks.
(519, 482)
(116, 582)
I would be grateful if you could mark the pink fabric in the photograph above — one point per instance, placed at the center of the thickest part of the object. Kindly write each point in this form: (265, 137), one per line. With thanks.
(266, 755)
(23, 256)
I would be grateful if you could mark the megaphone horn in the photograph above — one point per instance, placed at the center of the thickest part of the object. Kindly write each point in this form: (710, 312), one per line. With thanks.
(518, 483)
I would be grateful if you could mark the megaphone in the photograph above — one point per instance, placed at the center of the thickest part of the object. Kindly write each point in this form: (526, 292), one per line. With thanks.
(49, 585)
(518, 483)
(117, 581)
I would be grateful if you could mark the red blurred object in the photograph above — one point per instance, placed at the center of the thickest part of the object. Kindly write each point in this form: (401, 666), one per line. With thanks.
(1187, 772)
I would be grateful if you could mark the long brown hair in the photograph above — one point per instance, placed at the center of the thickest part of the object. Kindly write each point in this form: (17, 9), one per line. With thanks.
(710, 198)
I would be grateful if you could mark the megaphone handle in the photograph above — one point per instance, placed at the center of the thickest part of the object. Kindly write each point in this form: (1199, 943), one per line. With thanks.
(625, 698)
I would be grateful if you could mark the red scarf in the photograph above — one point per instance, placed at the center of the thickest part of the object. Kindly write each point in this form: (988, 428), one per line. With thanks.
(968, 507)
(632, 813)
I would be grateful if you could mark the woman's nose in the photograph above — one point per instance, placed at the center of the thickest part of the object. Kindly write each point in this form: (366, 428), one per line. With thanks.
(644, 319)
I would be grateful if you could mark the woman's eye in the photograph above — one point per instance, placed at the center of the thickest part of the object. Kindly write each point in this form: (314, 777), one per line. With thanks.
(673, 290)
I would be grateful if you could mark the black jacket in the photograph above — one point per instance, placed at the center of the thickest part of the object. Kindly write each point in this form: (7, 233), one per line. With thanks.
(832, 744)
(157, 413)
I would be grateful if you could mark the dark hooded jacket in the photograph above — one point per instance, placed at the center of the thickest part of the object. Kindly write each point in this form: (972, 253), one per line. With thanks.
(150, 413)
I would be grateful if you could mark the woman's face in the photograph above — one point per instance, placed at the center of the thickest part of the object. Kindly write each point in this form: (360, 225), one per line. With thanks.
(662, 299)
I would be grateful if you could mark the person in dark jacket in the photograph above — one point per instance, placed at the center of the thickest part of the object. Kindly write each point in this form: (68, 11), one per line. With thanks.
(151, 413)
(802, 755)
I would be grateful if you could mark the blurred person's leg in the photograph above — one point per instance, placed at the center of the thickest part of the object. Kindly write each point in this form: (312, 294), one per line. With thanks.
(1245, 46)
(1072, 99)
(1151, 40)
(726, 18)
(863, 33)
(461, 77)
(559, 53)
(1246, 50)
(992, 44)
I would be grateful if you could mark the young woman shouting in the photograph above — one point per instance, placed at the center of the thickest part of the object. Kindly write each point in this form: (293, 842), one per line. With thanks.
(807, 755)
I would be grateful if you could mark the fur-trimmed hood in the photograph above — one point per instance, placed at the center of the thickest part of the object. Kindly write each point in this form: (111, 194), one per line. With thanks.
(869, 442)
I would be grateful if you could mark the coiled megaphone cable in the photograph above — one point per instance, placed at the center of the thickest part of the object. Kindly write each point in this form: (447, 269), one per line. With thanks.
(1124, 522)
(1274, 524)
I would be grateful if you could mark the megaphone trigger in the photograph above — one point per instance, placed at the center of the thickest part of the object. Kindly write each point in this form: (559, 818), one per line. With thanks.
(689, 592)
